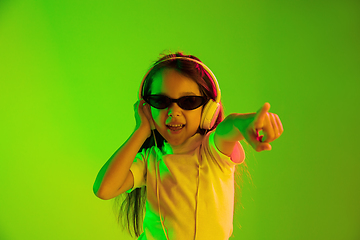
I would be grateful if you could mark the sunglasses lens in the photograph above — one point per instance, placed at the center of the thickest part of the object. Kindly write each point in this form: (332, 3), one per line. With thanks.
(191, 102)
(158, 101)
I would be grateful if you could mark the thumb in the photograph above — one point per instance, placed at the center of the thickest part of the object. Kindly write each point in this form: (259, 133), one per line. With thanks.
(263, 147)
(256, 142)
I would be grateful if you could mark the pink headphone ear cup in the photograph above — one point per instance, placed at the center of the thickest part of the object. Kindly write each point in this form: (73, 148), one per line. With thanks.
(209, 114)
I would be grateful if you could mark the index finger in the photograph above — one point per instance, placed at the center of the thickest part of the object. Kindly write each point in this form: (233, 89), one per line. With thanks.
(260, 115)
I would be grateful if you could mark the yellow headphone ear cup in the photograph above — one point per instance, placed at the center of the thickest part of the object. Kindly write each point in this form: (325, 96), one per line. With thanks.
(209, 114)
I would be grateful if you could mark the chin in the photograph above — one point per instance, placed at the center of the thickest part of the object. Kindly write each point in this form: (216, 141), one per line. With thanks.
(179, 138)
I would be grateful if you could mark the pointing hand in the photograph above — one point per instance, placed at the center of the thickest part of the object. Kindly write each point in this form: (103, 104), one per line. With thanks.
(250, 124)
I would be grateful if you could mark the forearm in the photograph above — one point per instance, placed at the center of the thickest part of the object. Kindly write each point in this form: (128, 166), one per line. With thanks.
(228, 129)
(114, 172)
(226, 135)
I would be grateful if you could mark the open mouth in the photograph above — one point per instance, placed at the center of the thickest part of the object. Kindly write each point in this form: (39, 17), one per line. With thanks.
(175, 127)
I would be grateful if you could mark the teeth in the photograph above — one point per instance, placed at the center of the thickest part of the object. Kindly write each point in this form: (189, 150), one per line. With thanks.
(177, 125)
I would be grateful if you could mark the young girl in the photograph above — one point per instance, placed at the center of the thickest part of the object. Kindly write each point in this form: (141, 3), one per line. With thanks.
(182, 154)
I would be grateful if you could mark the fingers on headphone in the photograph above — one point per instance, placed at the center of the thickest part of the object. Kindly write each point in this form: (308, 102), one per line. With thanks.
(138, 102)
(146, 109)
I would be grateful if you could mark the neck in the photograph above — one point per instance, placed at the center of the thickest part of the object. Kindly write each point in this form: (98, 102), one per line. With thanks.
(187, 146)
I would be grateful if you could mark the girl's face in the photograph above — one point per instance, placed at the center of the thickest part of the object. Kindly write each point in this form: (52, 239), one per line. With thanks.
(174, 85)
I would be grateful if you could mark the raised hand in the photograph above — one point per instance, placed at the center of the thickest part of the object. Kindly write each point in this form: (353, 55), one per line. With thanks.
(250, 124)
(143, 116)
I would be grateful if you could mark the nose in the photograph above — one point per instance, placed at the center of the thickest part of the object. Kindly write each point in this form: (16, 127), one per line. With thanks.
(174, 110)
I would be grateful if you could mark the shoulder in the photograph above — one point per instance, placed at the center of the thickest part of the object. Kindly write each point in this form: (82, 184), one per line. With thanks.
(149, 154)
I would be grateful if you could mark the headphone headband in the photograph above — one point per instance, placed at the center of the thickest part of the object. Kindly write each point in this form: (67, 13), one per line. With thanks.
(218, 93)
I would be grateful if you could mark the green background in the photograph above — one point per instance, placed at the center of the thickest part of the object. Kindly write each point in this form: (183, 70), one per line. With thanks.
(70, 73)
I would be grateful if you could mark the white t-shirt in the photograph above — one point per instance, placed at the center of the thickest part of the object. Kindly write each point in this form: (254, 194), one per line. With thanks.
(195, 189)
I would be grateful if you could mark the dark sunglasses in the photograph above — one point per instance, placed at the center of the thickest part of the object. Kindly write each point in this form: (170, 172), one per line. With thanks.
(186, 102)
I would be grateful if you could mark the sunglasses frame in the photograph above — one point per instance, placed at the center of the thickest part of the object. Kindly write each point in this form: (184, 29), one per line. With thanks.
(177, 101)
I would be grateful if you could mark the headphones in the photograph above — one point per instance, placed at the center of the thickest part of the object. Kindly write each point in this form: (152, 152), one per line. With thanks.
(211, 109)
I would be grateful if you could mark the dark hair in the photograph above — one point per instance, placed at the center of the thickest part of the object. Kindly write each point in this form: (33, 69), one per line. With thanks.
(132, 208)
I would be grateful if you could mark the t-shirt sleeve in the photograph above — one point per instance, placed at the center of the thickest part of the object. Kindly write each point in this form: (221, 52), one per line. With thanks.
(237, 156)
(138, 170)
